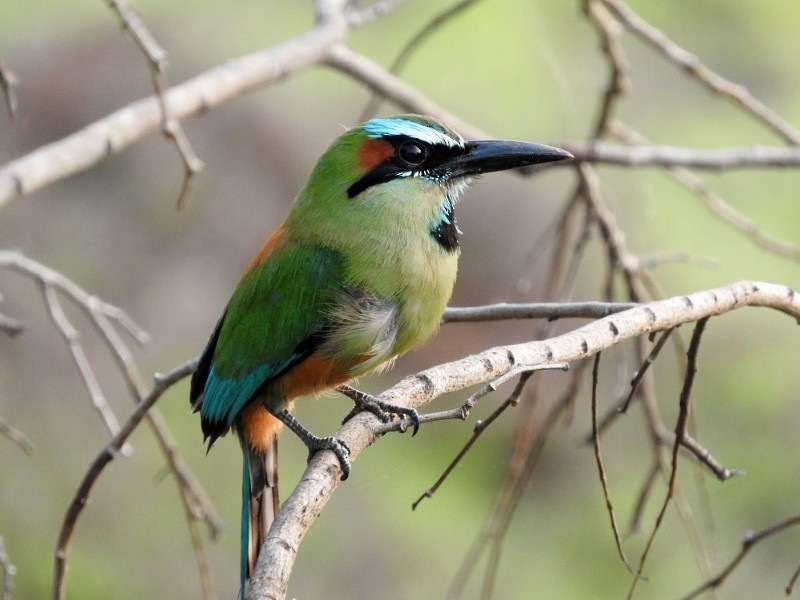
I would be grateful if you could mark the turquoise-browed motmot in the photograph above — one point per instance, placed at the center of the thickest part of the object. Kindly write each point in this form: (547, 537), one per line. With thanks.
(359, 273)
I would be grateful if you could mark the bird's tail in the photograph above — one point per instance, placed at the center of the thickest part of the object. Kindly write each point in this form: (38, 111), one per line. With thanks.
(260, 502)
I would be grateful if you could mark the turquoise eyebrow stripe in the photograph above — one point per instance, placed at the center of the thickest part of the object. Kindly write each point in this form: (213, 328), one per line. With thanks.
(377, 128)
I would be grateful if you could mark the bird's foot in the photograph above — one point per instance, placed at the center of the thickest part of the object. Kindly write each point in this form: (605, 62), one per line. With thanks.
(379, 408)
(335, 445)
(315, 444)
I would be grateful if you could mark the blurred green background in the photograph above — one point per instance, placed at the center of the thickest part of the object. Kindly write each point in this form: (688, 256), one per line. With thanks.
(516, 68)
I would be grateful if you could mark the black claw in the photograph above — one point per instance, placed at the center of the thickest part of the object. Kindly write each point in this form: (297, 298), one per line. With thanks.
(379, 408)
(338, 447)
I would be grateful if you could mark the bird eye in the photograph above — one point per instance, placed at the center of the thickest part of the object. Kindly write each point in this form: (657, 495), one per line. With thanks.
(412, 153)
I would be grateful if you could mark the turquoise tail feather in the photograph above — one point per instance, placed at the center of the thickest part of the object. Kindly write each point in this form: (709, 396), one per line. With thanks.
(260, 503)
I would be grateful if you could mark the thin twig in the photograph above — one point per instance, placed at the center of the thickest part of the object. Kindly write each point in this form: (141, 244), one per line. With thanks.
(640, 373)
(529, 444)
(618, 79)
(8, 84)
(104, 317)
(461, 412)
(657, 155)
(9, 571)
(115, 132)
(680, 432)
(50, 282)
(364, 16)
(600, 468)
(535, 310)
(16, 436)
(655, 38)
(715, 203)
(11, 326)
(480, 426)
(161, 385)
(157, 60)
(706, 458)
(415, 42)
(748, 543)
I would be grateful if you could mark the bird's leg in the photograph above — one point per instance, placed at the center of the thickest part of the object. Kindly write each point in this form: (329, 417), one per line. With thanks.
(382, 410)
(315, 444)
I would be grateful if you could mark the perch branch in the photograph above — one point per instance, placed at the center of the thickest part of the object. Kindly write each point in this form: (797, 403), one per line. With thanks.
(306, 502)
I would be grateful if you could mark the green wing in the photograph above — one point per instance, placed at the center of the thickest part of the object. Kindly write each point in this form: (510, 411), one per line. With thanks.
(275, 319)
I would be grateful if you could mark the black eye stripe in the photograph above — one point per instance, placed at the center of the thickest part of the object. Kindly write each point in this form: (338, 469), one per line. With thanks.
(411, 157)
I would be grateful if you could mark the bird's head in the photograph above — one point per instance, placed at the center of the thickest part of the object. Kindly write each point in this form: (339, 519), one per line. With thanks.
(409, 170)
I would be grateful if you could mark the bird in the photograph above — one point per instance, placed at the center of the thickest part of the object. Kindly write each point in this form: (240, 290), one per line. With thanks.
(359, 273)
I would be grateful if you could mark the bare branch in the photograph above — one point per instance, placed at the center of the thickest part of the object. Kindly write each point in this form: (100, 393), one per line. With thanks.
(11, 326)
(680, 432)
(415, 42)
(117, 131)
(528, 447)
(692, 65)
(640, 373)
(104, 316)
(748, 157)
(600, 468)
(748, 543)
(321, 478)
(9, 571)
(373, 12)
(162, 384)
(369, 73)
(16, 436)
(705, 457)
(157, 60)
(534, 310)
(618, 80)
(8, 83)
(51, 282)
(715, 203)
(461, 412)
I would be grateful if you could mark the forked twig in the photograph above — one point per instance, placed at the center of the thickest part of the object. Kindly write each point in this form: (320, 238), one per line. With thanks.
(689, 62)
(461, 412)
(748, 543)
(157, 60)
(714, 202)
(104, 317)
(162, 384)
(640, 372)
(51, 284)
